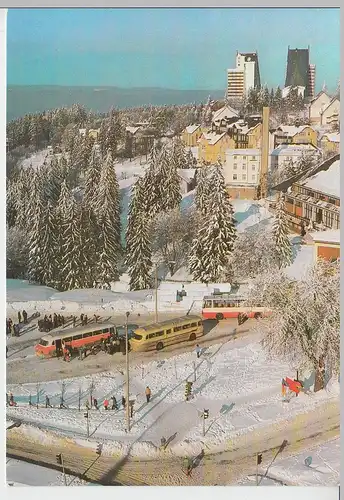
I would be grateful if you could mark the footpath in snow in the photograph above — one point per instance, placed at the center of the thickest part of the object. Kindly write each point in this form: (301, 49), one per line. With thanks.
(235, 381)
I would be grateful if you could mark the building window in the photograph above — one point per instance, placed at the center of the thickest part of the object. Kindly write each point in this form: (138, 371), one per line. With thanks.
(253, 177)
(235, 157)
(328, 218)
(244, 157)
(308, 211)
(244, 177)
(253, 168)
(235, 177)
(235, 166)
(289, 200)
(244, 166)
(253, 158)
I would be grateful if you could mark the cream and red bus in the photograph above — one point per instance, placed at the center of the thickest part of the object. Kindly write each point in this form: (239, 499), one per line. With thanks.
(222, 307)
(156, 336)
(52, 344)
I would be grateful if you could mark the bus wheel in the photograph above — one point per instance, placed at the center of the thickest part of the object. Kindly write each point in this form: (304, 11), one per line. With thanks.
(219, 316)
(159, 346)
(258, 315)
(192, 337)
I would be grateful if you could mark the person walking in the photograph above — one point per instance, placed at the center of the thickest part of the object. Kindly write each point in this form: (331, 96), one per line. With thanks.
(87, 405)
(95, 318)
(131, 409)
(95, 403)
(81, 319)
(25, 317)
(106, 404)
(19, 317)
(85, 320)
(74, 321)
(123, 402)
(148, 394)
(47, 402)
(198, 351)
(62, 321)
(6, 351)
(114, 403)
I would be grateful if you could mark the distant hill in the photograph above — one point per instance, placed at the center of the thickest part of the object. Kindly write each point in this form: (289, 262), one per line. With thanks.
(22, 100)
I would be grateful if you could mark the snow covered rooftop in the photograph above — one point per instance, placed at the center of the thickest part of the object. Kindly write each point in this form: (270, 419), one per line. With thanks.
(302, 262)
(293, 149)
(237, 152)
(132, 130)
(192, 128)
(225, 112)
(187, 174)
(327, 182)
(212, 137)
(331, 236)
(332, 137)
(291, 130)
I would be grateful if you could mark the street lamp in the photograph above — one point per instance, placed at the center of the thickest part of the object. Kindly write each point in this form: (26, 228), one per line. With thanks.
(127, 371)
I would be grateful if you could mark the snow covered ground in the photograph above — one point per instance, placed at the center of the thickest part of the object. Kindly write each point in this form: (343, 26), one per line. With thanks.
(323, 471)
(235, 381)
(19, 473)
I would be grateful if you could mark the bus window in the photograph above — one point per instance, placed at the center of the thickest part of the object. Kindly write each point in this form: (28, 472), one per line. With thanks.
(168, 331)
(77, 337)
(193, 324)
(112, 330)
(136, 336)
(208, 303)
(177, 328)
(97, 332)
(216, 303)
(105, 330)
(185, 327)
(158, 334)
(88, 334)
(43, 342)
(67, 339)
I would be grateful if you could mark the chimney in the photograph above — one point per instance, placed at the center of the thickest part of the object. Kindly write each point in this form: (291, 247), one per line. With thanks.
(264, 164)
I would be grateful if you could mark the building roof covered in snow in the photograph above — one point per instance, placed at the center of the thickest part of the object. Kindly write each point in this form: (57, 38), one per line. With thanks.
(237, 152)
(225, 112)
(212, 137)
(332, 137)
(331, 236)
(187, 174)
(192, 128)
(290, 130)
(132, 130)
(293, 149)
(323, 166)
(327, 182)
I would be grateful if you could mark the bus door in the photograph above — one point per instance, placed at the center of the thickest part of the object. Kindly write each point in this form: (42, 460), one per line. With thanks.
(58, 347)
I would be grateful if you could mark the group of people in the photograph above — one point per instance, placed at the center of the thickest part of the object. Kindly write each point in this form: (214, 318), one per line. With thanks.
(114, 406)
(10, 399)
(50, 322)
(12, 328)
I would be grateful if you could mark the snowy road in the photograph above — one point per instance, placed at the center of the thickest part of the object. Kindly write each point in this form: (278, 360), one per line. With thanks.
(302, 432)
(23, 366)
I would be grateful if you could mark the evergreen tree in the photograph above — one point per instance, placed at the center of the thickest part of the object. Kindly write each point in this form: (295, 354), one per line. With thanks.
(72, 261)
(36, 265)
(108, 215)
(170, 194)
(92, 179)
(283, 246)
(213, 245)
(48, 242)
(203, 189)
(140, 258)
(89, 235)
(178, 154)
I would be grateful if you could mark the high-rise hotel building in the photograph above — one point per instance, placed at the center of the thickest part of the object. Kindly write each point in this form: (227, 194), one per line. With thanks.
(244, 76)
(300, 73)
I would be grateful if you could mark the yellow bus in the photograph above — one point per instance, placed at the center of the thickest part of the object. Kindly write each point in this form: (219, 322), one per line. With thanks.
(156, 336)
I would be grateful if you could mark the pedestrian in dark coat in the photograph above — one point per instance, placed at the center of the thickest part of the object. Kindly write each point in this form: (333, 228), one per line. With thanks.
(25, 317)
(74, 321)
(95, 403)
(81, 319)
(47, 402)
(55, 320)
(148, 394)
(7, 351)
(123, 401)
(114, 403)
(19, 317)
(85, 319)
(63, 321)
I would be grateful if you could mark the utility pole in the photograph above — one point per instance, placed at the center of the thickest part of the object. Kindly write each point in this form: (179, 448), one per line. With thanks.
(156, 293)
(259, 458)
(127, 372)
(87, 416)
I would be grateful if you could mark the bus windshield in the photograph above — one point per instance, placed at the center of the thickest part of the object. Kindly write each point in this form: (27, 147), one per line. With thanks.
(43, 342)
(136, 336)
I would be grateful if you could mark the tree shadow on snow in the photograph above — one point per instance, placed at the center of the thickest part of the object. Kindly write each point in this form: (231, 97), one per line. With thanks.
(280, 449)
(309, 382)
(204, 385)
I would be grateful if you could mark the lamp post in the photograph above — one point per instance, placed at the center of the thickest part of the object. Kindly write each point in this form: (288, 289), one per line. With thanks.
(127, 372)
(156, 293)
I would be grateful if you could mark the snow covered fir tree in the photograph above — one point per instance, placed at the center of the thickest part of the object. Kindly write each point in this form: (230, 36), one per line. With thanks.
(280, 230)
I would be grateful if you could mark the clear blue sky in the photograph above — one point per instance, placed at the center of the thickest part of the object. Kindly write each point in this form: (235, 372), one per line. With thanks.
(171, 48)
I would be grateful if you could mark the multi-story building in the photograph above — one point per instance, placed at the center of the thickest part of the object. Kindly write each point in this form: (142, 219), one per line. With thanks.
(287, 134)
(311, 74)
(298, 70)
(317, 105)
(212, 146)
(241, 172)
(244, 76)
(313, 199)
(191, 135)
(330, 143)
(225, 116)
(286, 154)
